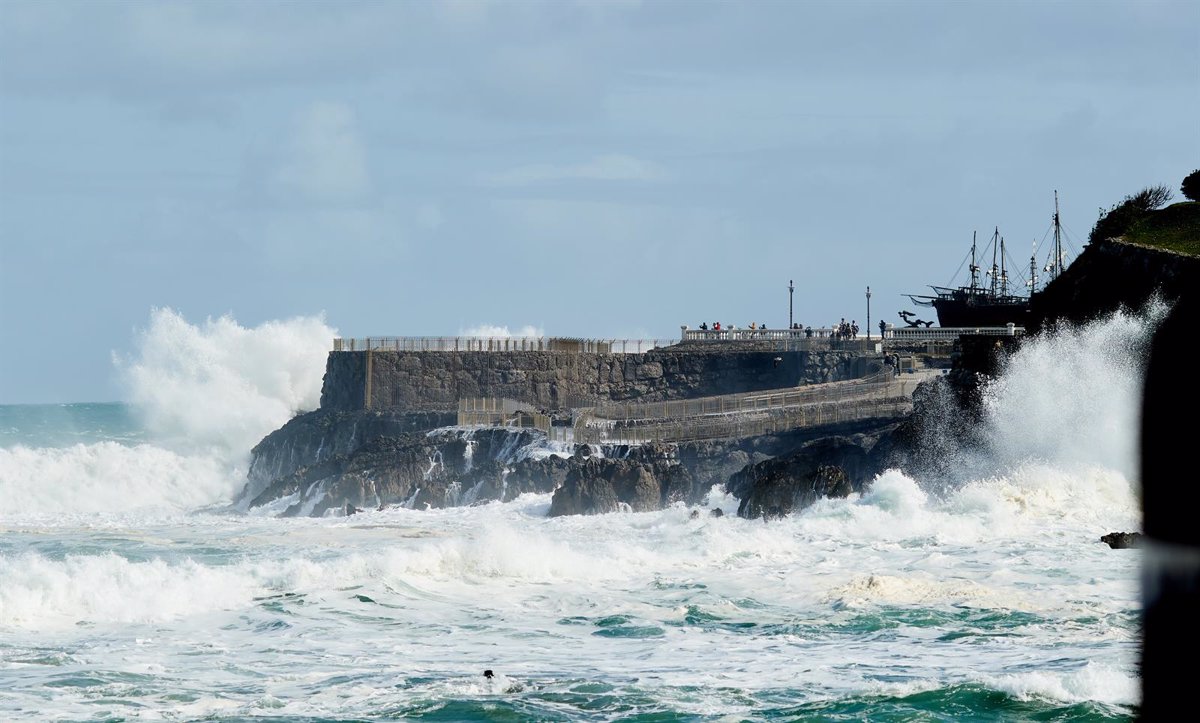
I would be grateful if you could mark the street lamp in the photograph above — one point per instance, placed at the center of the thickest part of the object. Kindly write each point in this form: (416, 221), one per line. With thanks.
(791, 291)
(868, 312)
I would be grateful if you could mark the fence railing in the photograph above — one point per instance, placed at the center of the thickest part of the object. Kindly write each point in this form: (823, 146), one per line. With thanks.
(756, 334)
(826, 337)
(493, 344)
(782, 339)
(739, 415)
(742, 425)
(950, 333)
(744, 402)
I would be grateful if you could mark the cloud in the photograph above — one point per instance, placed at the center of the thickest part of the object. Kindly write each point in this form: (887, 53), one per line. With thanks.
(611, 167)
(325, 160)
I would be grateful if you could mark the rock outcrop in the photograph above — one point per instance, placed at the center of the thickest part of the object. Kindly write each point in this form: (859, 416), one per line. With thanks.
(649, 478)
(827, 467)
(1122, 540)
(1111, 275)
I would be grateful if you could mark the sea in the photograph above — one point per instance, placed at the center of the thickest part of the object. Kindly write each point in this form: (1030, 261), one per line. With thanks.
(134, 586)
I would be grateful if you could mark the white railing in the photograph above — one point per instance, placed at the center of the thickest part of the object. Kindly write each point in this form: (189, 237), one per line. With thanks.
(493, 344)
(824, 336)
(950, 333)
(758, 334)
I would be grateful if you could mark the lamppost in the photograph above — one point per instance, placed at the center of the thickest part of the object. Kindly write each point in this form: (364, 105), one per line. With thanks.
(868, 312)
(791, 291)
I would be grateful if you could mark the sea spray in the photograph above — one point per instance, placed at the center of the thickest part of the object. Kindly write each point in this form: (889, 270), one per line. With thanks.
(990, 599)
(1066, 395)
(219, 387)
(107, 477)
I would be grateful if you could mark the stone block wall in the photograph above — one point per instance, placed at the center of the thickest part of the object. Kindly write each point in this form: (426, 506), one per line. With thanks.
(428, 380)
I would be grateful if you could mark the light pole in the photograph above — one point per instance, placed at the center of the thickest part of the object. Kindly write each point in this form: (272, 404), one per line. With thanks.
(791, 291)
(868, 312)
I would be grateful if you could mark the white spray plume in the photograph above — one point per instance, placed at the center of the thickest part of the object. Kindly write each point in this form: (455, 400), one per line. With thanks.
(219, 387)
(1073, 396)
(493, 331)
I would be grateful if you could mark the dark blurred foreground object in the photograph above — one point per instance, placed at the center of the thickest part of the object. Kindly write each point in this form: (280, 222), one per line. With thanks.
(1170, 505)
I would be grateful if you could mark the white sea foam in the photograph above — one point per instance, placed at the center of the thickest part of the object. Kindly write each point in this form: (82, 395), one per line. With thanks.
(218, 387)
(1091, 682)
(107, 477)
(999, 581)
(1070, 397)
(40, 593)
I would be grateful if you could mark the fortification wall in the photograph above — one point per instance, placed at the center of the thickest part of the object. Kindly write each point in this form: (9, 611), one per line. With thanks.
(425, 380)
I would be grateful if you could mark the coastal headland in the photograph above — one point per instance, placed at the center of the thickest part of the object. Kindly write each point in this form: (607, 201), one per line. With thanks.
(778, 419)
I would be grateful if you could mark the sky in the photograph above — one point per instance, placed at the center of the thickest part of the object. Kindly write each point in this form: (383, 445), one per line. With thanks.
(585, 168)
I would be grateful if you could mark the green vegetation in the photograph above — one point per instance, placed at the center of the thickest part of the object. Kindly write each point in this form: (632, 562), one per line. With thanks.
(1191, 186)
(1174, 228)
(1120, 218)
(1140, 219)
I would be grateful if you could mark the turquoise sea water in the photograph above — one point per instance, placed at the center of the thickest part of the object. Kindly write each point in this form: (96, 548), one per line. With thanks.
(131, 588)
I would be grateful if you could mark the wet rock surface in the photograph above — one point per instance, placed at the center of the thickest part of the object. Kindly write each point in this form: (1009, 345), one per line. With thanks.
(1122, 540)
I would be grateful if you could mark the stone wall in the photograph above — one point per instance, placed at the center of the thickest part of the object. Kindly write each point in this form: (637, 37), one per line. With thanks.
(428, 380)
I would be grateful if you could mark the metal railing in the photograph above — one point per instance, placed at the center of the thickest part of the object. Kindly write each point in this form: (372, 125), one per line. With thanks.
(950, 333)
(496, 344)
(825, 337)
(880, 396)
(755, 334)
(881, 384)
(495, 411)
(743, 425)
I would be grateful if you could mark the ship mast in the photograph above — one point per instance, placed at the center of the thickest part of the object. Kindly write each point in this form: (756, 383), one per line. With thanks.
(1058, 253)
(974, 266)
(1003, 271)
(1055, 267)
(995, 248)
(1033, 270)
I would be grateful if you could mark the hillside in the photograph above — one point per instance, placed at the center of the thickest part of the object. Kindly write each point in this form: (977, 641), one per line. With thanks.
(1174, 228)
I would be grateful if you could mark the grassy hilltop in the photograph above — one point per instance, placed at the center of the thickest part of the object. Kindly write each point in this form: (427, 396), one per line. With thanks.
(1144, 219)
(1174, 228)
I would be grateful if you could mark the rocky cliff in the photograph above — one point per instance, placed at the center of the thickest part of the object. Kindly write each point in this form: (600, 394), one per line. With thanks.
(1111, 275)
(381, 438)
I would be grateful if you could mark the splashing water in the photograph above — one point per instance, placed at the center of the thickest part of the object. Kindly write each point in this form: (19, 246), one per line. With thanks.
(992, 599)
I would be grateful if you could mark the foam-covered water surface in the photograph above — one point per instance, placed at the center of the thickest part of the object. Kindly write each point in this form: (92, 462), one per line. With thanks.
(129, 589)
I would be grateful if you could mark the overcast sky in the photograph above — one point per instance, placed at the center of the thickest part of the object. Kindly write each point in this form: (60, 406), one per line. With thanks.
(597, 169)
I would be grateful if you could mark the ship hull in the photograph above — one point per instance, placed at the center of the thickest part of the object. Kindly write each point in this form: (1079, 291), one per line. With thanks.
(976, 312)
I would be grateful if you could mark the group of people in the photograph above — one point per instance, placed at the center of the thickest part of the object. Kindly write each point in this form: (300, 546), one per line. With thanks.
(845, 329)
(839, 331)
(892, 360)
(717, 326)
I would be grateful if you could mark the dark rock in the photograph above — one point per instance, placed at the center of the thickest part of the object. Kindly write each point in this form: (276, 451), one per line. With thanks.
(831, 467)
(419, 470)
(639, 479)
(1112, 275)
(1122, 540)
(314, 437)
(717, 512)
